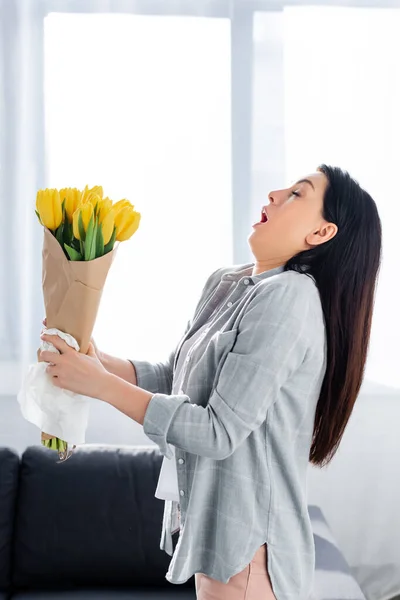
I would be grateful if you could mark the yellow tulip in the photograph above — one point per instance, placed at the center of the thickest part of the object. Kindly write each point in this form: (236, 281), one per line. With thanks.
(94, 199)
(75, 225)
(104, 208)
(107, 227)
(72, 197)
(126, 221)
(97, 190)
(86, 210)
(48, 205)
(117, 206)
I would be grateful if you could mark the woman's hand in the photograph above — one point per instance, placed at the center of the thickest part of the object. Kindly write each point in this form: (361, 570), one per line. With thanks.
(98, 352)
(71, 370)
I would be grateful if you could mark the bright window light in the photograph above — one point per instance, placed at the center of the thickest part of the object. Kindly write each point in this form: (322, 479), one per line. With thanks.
(141, 105)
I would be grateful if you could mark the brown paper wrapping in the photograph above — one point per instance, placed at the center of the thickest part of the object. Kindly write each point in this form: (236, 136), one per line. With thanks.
(72, 290)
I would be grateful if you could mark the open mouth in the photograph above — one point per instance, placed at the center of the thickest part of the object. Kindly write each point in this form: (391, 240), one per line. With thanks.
(264, 218)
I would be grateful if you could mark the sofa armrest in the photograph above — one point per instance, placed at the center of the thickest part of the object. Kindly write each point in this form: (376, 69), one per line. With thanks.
(9, 472)
(333, 579)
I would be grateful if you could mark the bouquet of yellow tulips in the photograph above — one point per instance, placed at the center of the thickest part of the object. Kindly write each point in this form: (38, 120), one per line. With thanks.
(81, 229)
(85, 224)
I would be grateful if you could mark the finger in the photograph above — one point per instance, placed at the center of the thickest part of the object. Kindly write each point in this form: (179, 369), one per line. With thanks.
(52, 370)
(57, 342)
(91, 351)
(50, 357)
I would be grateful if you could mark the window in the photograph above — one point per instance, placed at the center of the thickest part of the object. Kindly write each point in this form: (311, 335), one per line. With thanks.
(141, 105)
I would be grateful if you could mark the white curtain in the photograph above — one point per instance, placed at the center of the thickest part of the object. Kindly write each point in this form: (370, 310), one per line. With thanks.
(194, 110)
(21, 174)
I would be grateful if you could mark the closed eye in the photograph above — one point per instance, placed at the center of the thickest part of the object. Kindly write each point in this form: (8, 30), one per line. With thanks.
(295, 194)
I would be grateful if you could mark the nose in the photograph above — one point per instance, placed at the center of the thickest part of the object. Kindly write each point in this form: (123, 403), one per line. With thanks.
(271, 198)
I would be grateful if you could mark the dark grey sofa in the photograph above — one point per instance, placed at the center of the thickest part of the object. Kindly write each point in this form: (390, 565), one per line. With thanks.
(90, 529)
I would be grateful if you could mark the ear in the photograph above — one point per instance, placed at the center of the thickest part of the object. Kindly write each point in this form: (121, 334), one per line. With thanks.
(323, 234)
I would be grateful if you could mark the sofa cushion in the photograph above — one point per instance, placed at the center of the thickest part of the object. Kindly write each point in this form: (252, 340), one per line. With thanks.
(333, 579)
(137, 594)
(9, 467)
(92, 520)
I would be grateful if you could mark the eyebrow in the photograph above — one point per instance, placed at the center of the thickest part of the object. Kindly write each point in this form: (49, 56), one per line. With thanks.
(306, 181)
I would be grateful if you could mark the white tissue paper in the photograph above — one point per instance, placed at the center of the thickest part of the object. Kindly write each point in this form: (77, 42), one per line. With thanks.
(55, 411)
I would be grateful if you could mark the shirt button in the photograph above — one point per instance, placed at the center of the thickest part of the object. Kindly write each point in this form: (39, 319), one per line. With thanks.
(182, 493)
(187, 359)
(180, 461)
(230, 304)
(246, 282)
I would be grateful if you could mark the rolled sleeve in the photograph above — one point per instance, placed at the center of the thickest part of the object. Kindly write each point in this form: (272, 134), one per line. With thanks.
(154, 377)
(159, 415)
(270, 346)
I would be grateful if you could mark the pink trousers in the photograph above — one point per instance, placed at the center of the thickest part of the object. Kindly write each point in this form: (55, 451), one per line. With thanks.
(253, 583)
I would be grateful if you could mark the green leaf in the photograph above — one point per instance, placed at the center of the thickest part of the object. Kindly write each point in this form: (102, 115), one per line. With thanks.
(94, 241)
(75, 244)
(108, 247)
(38, 216)
(90, 235)
(67, 232)
(81, 228)
(72, 253)
(60, 234)
(99, 242)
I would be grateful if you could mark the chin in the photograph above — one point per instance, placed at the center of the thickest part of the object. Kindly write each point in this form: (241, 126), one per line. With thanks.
(252, 242)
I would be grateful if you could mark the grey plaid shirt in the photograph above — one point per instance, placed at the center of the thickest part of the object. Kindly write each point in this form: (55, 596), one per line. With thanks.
(241, 421)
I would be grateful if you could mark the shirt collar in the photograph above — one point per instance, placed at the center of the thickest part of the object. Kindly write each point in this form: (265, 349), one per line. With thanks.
(245, 272)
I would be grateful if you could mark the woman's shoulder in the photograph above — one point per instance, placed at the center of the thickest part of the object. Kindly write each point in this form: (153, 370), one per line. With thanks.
(294, 281)
(293, 293)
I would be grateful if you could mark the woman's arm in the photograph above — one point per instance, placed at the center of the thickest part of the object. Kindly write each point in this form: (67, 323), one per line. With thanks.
(120, 367)
(103, 376)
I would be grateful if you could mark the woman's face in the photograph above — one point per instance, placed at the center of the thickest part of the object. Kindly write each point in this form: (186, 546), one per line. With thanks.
(295, 222)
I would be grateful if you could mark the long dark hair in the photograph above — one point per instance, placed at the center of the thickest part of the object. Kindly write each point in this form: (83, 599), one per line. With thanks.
(345, 270)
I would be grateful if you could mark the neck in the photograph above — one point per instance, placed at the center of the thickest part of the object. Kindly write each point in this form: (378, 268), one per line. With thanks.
(266, 265)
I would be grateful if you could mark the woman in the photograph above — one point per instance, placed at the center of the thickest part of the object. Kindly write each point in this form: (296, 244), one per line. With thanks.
(263, 381)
